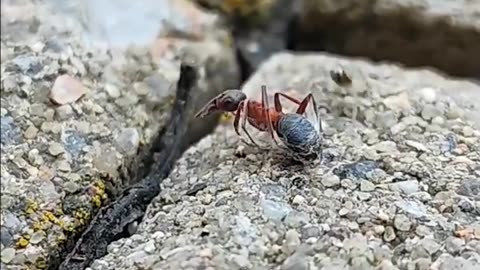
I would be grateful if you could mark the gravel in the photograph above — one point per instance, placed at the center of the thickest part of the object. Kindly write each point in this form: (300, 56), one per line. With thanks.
(72, 128)
(375, 202)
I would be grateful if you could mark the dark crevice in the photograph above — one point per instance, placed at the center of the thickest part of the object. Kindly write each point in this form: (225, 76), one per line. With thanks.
(291, 35)
(111, 221)
(398, 37)
(255, 44)
(246, 68)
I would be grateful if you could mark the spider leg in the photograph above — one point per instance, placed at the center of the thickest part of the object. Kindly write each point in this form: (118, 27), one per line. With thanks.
(266, 111)
(244, 123)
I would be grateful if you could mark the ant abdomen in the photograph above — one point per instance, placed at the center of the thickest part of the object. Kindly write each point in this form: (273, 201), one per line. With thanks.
(299, 135)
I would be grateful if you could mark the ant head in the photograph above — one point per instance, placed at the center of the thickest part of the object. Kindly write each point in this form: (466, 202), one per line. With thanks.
(227, 101)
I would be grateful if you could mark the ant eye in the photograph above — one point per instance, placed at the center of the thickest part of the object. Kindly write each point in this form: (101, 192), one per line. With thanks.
(227, 101)
(229, 104)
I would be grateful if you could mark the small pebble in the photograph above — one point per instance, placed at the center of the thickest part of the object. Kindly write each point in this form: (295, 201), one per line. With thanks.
(405, 187)
(343, 211)
(416, 145)
(402, 223)
(467, 131)
(206, 253)
(454, 244)
(112, 90)
(430, 111)
(64, 112)
(389, 234)
(8, 254)
(383, 216)
(463, 160)
(428, 94)
(128, 140)
(71, 187)
(30, 132)
(366, 186)
(37, 237)
(150, 247)
(292, 240)
(438, 120)
(430, 245)
(330, 180)
(56, 149)
(422, 264)
(66, 89)
(63, 165)
(379, 229)
(363, 196)
(298, 200)
(386, 147)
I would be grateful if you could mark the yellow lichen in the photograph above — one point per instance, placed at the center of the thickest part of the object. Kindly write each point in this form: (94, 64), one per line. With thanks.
(226, 118)
(68, 227)
(22, 242)
(99, 193)
(41, 263)
(60, 223)
(82, 216)
(97, 201)
(61, 239)
(59, 212)
(39, 226)
(31, 207)
(100, 185)
(49, 217)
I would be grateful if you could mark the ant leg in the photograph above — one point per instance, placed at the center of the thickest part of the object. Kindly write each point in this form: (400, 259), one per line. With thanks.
(266, 111)
(301, 109)
(278, 105)
(244, 123)
(236, 122)
(303, 106)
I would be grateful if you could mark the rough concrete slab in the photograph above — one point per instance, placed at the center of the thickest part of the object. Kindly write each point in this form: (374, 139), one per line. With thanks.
(396, 189)
(77, 120)
(442, 34)
(411, 83)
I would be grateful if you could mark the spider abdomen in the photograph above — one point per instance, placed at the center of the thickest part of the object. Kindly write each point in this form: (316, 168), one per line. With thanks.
(299, 135)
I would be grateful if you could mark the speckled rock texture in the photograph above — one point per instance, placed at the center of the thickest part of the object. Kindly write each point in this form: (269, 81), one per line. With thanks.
(397, 189)
(75, 120)
(442, 34)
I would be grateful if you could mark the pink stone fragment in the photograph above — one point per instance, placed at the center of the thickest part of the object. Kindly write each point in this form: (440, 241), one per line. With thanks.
(66, 89)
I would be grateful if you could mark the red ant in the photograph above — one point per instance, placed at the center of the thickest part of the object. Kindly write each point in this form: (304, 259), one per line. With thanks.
(294, 130)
